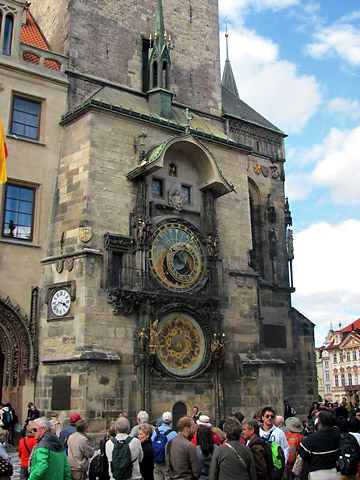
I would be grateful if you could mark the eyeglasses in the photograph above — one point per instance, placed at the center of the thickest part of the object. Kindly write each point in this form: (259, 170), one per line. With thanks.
(269, 416)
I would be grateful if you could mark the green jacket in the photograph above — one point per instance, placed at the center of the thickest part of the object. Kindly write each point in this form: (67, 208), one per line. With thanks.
(49, 460)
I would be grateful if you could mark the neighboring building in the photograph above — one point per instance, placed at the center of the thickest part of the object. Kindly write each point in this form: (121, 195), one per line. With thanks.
(167, 276)
(33, 93)
(339, 362)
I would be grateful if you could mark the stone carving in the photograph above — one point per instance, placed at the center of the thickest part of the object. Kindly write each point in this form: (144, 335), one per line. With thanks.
(176, 199)
(153, 336)
(287, 213)
(188, 118)
(250, 282)
(69, 264)
(143, 338)
(273, 243)
(265, 171)
(143, 231)
(172, 170)
(218, 347)
(290, 244)
(212, 243)
(117, 242)
(275, 172)
(59, 265)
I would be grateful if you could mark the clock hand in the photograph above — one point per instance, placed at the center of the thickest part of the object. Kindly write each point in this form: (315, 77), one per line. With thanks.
(164, 243)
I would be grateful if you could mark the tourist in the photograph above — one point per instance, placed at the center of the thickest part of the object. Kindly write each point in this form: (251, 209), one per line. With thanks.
(5, 461)
(122, 429)
(48, 460)
(25, 447)
(142, 417)
(256, 444)
(55, 424)
(321, 449)
(160, 469)
(12, 424)
(147, 463)
(294, 437)
(67, 431)
(232, 460)
(196, 414)
(79, 451)
(280, 423)
(181, 458)
(32, 414)
(205, 448)
(271, 432)
(204, 420)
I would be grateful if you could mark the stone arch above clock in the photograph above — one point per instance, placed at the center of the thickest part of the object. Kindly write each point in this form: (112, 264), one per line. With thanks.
(197, 159)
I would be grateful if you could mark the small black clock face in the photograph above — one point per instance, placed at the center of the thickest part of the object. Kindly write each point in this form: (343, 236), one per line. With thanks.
(60, 303)
(177, 258)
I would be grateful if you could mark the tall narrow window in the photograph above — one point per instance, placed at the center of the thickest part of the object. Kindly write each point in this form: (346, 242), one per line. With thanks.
(256, 254)
(155, 75)
(164, 76)
(350, 378)
(8, 34)
(25, 120)
(18, 212)
(145, 64)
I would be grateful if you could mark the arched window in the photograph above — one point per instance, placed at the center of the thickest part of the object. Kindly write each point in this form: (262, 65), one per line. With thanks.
(155, 75)
(8, 34)
(164, 75)
(179, 410)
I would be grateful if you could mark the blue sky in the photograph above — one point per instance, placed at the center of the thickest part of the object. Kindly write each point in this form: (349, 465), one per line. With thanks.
(297, 62)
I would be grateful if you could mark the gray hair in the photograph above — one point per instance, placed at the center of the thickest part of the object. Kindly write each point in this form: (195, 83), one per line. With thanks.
(251, 423)
(122, 425)
(146, 428)
(43, 422)
(143, 416)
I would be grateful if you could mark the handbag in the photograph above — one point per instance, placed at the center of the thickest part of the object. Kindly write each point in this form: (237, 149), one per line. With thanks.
(6, 468)
(298, 466)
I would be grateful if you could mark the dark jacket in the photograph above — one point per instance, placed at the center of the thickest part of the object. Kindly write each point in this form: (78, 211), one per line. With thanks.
(258, 451)
(225, 464)
(321, 449)
(205, 462)
(181, 459)
(66, 432)
(147, 463)
(49, 461)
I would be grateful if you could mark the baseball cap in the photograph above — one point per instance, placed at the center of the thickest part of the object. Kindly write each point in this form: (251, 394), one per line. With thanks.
(167, 417)
(74, 417)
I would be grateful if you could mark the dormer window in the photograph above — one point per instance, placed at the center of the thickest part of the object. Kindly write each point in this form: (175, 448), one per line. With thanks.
(8, 34)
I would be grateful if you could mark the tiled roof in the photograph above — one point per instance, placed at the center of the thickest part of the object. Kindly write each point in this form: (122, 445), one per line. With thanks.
(353, 326)
(31, 35)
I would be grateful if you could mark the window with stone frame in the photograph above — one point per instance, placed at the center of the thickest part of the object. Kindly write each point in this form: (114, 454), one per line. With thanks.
(326, 363)
(25, 118)
(348, 357)
(145, 64)
(335, 357)
(8, 34)
(354, 355)
(18, 214)
(341, 357)
(157, 187)
(349, 379)
(336, 380)
(343, 379)
(356, 378)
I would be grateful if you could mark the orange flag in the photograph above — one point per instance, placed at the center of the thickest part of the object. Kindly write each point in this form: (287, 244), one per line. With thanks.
(3, 155)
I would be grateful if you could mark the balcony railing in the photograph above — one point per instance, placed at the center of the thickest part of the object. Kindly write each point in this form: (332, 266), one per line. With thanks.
(44, 58)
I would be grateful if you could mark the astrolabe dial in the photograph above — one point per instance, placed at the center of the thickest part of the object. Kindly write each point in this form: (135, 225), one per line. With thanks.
(177, 258)
(180, 344)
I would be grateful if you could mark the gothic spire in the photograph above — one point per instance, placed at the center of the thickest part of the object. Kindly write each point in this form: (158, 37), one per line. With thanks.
(228, 79)
(160, 33)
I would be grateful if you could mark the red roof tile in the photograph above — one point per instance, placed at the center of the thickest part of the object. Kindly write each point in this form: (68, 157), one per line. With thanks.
(349, 328)
(31, 35)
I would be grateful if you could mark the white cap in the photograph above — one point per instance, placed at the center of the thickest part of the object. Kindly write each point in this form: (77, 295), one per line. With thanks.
(167, 417)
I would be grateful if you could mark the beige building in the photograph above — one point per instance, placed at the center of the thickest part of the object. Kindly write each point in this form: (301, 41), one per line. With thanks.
(33, 93)
(339, 362)
(167, 276)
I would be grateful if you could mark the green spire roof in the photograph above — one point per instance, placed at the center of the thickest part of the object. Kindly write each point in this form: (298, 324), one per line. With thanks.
(228, 79)
(160, 27)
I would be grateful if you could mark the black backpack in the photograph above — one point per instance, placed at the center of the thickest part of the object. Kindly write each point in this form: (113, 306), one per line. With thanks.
(348, 458)
(99, 466)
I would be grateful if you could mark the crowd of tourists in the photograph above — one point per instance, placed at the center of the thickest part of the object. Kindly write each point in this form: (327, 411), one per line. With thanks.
(264, 447)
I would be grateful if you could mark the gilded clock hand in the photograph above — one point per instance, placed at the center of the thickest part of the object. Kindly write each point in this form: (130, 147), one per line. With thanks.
(164, 243)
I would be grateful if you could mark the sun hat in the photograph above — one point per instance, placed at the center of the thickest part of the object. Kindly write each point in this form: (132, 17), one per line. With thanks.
(167, 417)
(204, 420)
(294, 424)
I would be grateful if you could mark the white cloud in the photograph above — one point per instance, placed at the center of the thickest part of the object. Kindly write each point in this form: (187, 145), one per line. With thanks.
(345, 107)
(270, 85)
(236, 7)
(338, 165)
(298, 186)
(327, 274)
(342, 39)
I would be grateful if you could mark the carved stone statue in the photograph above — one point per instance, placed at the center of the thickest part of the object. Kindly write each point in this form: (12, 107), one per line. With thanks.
(212, 243)
(290, 244)
(215, 345)
(273, 243)
(176, 199)
(172, 170)
(142, 230)
(142, 340)
(153, 336)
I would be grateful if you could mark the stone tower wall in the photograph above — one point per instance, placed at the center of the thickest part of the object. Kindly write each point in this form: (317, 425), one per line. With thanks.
(104, 39)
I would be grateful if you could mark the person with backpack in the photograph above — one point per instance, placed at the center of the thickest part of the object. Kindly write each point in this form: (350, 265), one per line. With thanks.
(294, 437)
(7, 418)
(321, 449)
(257, 446)
(124, 453)
(232, 460)
(349, 451)
(160, 437)
(25, 447)
(271, 432)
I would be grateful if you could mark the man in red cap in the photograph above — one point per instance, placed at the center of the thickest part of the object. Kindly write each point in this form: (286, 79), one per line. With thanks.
(67, 431)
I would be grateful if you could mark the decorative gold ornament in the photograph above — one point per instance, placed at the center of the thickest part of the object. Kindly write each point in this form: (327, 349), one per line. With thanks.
(257, 168)
(85, 234)
(179, 344)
